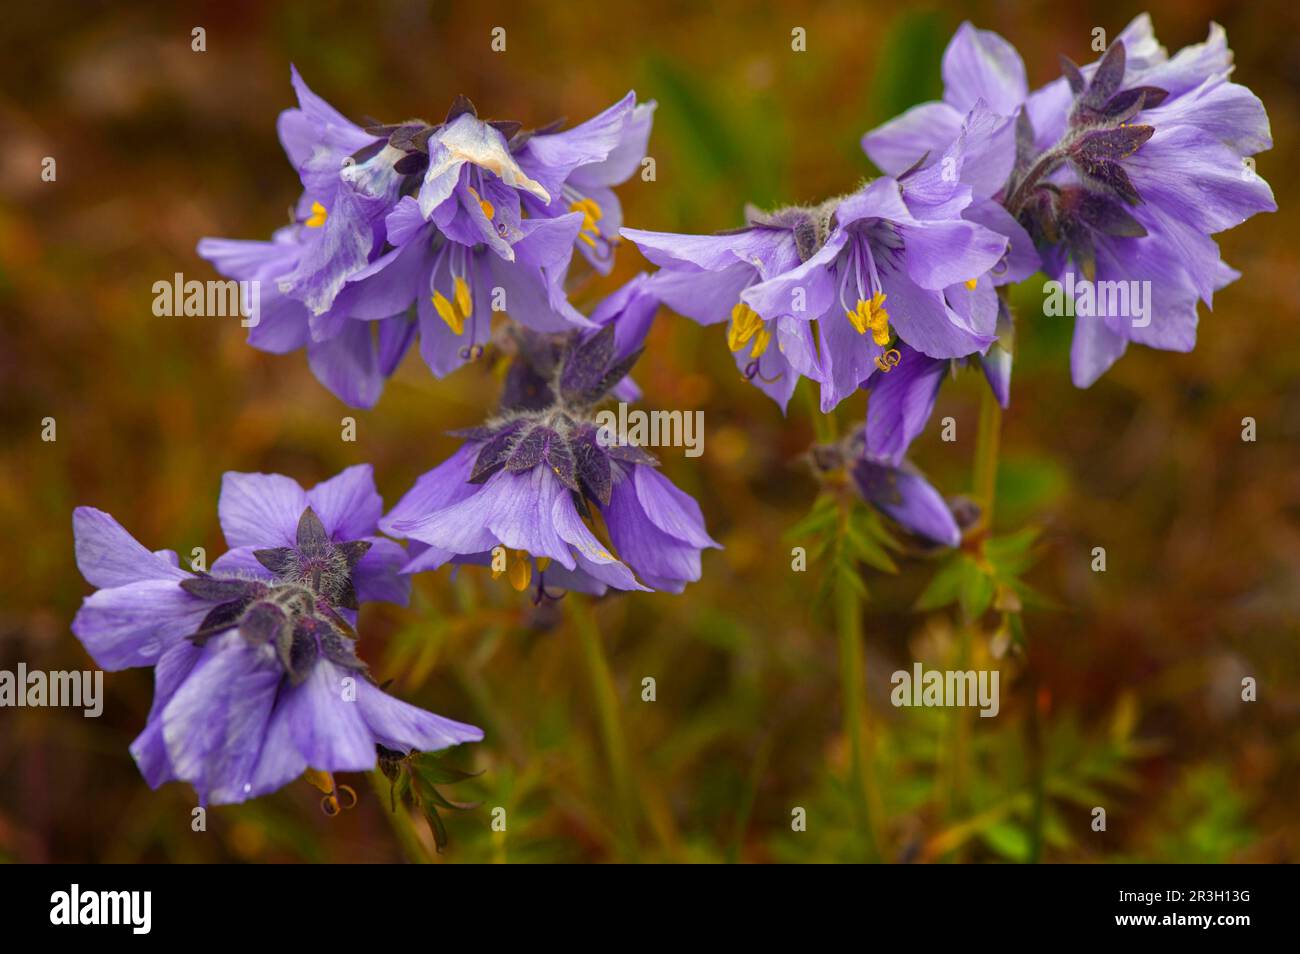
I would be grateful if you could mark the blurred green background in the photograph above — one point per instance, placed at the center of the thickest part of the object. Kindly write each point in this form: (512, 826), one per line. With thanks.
(1129, 693)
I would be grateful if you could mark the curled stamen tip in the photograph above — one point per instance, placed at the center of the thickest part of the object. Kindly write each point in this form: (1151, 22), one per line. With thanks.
(889, 360)
(751, 369)
(330, 805)
(349, 797)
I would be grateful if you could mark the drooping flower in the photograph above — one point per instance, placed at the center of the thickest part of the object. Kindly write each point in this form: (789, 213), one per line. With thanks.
(543, 494)
(894, 261)
(350, 352)
(256, 677)
(1121, 171)
(1124, 172)
(579, 168)
(440, 216)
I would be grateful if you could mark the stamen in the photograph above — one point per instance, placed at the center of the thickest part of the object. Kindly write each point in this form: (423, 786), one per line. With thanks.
(871, 316)
(331, 804)
(483, 203)
(745, 323)
(463, 300)
(448, 313)
(889, 360)
(591, 214)
(521, 570)
(318, 216)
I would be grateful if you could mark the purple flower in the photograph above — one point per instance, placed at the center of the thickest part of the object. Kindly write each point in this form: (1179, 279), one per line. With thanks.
(703, 276)
(901, 492)
(1120, 171)
(542, 493)
(1132, 167)
(277, 531)
(345, 355)
(896, 257)
(256, 678)
(979, 67)
(442, 217)
(579, 167)
(898, 408)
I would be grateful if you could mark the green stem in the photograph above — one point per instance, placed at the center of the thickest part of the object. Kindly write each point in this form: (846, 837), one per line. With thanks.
(987, 441)
(865, 798)
(611, 724)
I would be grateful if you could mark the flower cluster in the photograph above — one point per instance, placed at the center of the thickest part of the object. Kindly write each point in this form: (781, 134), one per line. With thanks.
(1120, 170)
(429, 227)
(257, 680)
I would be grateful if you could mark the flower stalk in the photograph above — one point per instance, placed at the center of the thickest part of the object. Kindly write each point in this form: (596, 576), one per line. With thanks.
(605, 695)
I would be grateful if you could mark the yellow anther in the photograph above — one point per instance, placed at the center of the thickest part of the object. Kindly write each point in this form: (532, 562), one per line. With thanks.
(591, 214)
(543, 563)
(871, 316)
(463, 300)
(971, 283)
(321, 781)
(521, 570)
(483, 203)
(761, 341)
(447, 312)
(318, 216)
(745, 323)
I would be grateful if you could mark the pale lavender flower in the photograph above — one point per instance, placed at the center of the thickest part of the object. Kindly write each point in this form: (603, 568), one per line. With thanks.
(256, 677)
(546, 498)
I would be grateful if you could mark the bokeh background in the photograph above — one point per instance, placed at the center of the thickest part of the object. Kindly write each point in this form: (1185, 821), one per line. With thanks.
(1128, 692)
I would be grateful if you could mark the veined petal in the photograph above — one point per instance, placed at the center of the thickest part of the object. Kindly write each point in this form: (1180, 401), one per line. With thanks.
(260, 510)
(980, 64)
(108, 556)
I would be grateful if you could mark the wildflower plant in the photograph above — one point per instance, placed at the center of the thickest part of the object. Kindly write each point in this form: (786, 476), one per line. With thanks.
(257, 680)
(460, 234)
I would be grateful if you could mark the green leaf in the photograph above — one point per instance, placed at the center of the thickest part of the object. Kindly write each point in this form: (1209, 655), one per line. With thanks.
(943, 587)
(976, 593)
(820, 518)
(1012, 555)
(862, 547)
